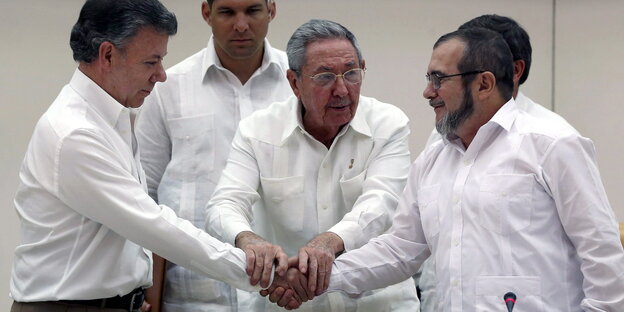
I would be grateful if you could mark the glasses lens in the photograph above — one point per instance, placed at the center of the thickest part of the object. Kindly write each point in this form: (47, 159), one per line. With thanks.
(324, 79)
(354, 75)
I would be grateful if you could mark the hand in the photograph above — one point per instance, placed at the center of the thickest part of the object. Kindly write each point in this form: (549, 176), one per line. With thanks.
(145, 307)
(282, 294)
(260, 256)
(317, 257)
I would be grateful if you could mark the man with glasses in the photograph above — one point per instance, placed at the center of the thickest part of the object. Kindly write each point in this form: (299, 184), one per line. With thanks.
(186, 129)
(328, 166)
(518, 41)
(511, 207)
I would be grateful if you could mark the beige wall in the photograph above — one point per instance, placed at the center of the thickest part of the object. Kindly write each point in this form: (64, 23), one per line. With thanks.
(396, 37)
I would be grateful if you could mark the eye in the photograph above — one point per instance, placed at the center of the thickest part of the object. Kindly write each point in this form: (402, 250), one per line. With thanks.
(324, 78)
(226, 12)
(254, 10)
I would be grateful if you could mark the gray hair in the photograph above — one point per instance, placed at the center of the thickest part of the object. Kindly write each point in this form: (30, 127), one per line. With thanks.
(315, 30)
(116, 21)
(210, 2)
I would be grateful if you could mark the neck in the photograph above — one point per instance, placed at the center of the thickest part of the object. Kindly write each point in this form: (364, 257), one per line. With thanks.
(323, 135)
(243, 69)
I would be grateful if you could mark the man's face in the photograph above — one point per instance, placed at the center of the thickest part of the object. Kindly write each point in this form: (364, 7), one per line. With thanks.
(137, 67)
(333, 105)
(452, 102)
(238, 26)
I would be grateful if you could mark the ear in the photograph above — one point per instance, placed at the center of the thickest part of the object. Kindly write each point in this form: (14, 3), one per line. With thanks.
(519, 67)
(105, 55)
(294, 82)
(205, 11)
(272, 10)
(363, 64)
(486, 85)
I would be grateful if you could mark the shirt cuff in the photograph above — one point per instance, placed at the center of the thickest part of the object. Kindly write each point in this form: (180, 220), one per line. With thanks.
(335, 280)
(235, 228)
(351, 234)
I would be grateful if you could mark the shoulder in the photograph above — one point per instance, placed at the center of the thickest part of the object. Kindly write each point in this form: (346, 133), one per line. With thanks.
(186, 66)
(268, 124)
(383, 119)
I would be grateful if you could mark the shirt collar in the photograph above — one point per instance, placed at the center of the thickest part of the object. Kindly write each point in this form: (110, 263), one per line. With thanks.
(97, 98)
(211, 60)
(358, 123)
(506, 115)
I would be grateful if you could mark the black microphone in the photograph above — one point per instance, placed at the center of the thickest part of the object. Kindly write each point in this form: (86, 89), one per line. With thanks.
(510, 300)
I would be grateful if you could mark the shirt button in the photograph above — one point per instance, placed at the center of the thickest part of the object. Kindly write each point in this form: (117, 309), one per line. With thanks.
(467, 162)
(454, 283)
(187, 137)
(455, 242)
(324, 207)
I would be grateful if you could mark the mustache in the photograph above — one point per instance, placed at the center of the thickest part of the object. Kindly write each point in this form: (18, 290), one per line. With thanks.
(435, 104)
(339, 102)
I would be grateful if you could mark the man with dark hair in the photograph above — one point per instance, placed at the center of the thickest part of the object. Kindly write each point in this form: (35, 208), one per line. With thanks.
(518, 41)
(508, 205)
(87, 221)
(328, 166)
(186, 129)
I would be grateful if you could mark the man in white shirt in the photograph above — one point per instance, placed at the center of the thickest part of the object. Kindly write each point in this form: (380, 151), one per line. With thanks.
(86, 218)
(505, 203)
(328, 166)
(185, 131)
(518, 41)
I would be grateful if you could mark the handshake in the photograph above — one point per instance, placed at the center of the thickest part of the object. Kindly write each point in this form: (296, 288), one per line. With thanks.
(296, 279)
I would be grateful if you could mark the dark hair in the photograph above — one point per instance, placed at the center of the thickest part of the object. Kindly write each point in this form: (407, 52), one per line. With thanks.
(210, 2)
(311, 31)
(485, 50)
(516, 37)
(116, 21)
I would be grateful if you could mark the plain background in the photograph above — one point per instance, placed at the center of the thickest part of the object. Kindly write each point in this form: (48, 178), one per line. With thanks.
(577, 68)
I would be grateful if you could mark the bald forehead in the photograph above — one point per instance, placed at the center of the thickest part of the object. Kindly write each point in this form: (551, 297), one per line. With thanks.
(446, 56)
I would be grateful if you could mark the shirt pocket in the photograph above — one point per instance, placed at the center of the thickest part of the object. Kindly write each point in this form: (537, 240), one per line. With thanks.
(490, 291)
(429, 211)
(351, 189)
(193, 145)
(283, 199)
(506, 202)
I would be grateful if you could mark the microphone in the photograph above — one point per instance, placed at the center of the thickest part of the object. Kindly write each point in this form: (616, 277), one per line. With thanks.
(510, 300)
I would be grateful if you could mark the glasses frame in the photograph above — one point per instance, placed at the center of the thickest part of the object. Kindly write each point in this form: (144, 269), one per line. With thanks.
(313, 77)
(437, 81)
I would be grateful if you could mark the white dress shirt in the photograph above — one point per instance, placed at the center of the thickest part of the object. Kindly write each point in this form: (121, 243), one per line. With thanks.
(350, 189)
(185, 132)
(523, 209)
(426, 280)
(85, 212)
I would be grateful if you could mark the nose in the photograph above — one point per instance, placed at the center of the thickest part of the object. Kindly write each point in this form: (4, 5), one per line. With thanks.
(160, 75)
(240, 23)
(340, 88)
(429, 92)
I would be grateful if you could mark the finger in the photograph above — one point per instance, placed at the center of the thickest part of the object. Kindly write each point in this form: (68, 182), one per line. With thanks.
(264, 293)
(267, 268)
(282, 263)
(312, 274)
(327, 276)
(277, 294)
(288, 295)
(250, 258)
(257, 271)
(293, 262)
(303, 261)
(295, 284)
(292, 304)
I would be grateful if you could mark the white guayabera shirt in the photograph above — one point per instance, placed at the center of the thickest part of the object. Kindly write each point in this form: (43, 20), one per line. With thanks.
(185, 131)
(85, 212)
(350, 189)
(523, 209)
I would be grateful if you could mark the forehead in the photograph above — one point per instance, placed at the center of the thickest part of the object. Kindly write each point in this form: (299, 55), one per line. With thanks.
(446, 57)
(329, 53)
(237, 3)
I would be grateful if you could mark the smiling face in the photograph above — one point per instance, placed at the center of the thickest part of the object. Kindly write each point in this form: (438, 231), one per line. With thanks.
(136, 68)
(452, 102)
(239, 26)
(327, 108)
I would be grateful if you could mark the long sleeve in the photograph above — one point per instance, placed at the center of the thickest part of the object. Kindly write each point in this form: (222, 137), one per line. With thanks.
(387, 259)
(96, 182)
(229, 211)
(373, 210)
(153, 141)
(571, 172)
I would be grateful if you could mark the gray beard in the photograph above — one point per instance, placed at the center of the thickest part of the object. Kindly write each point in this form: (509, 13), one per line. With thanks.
(447, 126)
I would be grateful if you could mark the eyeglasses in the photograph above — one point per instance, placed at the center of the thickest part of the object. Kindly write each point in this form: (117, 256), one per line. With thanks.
(351, 76)
(436, 78)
